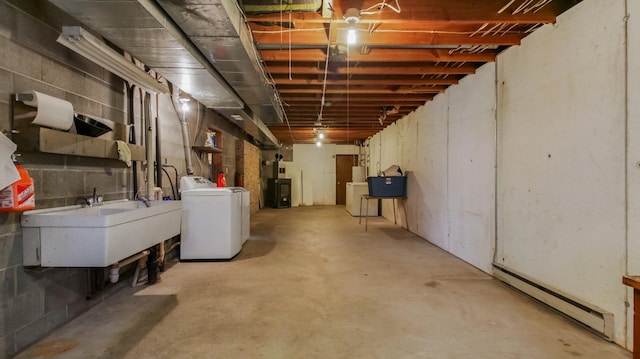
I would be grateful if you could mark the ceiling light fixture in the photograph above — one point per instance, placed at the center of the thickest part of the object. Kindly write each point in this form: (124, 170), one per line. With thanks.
(321, 135)
(319, 144)
(87, 45)
(352, 17)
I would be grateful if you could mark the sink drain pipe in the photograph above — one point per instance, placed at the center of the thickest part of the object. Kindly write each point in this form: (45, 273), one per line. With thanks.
(114, 273)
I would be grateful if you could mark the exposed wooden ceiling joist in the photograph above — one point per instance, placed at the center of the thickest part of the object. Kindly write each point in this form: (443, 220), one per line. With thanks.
(382, 55)
(371, 81)
(434, 11)
(429, 68)
(397, 38)
(401, 59)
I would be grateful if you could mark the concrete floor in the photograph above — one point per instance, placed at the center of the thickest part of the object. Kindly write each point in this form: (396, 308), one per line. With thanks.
(311, 283)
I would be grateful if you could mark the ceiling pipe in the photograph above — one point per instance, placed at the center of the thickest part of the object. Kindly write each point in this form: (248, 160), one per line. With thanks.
(186, 136)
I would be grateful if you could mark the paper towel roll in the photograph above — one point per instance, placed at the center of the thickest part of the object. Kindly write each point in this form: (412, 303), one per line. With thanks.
(52, 111)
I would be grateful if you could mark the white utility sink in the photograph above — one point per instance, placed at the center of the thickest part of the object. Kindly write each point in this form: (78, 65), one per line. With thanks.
(98, 236)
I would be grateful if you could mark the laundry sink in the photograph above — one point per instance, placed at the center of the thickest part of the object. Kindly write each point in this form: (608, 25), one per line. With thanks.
(98, 236)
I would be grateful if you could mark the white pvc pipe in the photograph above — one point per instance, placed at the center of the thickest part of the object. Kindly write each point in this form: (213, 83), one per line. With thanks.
(114, 273)
(186, 143)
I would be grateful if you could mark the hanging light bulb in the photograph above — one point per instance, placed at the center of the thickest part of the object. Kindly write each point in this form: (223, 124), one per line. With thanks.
(351, 36)
(351, 17)
(319, 144)
(321, 135)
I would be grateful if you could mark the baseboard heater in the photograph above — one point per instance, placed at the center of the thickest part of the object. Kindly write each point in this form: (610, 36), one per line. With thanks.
(596, 319)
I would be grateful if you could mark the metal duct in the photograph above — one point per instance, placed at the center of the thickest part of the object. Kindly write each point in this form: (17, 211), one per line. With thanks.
(255, 7)
(230, 84)
(218, 29)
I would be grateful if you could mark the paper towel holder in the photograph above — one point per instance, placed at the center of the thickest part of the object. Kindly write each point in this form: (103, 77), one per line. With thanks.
(9, 132)
(22, 97)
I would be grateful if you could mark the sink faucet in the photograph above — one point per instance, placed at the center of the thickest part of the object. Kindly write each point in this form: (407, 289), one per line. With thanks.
(145, 200)
(94, 199)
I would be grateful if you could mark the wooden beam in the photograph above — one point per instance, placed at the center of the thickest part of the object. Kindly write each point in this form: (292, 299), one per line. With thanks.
(342, 104)
(430, 11)
(313, 113)
(382, 55)
(341, 118)
(399, 39)
(344, 136)
(371, 81)
(340, 111)
(336, 125)
(398, 69)
(337, 120)
(382, 100)
(367, 91)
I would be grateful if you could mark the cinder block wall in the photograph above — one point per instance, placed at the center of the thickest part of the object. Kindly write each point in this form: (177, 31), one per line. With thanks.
(33, 302)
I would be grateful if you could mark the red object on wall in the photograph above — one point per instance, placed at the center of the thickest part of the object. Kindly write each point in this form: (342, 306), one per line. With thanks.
(19, 196)
(222, 182)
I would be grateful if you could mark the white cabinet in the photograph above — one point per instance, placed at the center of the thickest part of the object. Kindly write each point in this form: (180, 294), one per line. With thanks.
(355, 190)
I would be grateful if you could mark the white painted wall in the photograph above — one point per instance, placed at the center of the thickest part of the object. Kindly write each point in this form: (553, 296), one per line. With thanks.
(561, 175)
(561, 147)
(447, 149)
(471, 172)
(318, 167)
(430, 174)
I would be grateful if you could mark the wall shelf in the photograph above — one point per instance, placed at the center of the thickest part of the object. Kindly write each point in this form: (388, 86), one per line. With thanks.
(210, 151)
(206, 149)
(32, 138)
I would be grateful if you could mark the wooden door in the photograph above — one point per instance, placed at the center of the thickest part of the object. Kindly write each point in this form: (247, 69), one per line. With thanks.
(344, 164)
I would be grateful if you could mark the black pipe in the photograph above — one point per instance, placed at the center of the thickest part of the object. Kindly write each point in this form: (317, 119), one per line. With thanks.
(176, 171)
(171, 183)
(152, 266)
(145, 103)
(132, 139)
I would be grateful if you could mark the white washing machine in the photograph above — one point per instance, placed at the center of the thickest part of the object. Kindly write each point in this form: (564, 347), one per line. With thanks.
(211, 220)
(246, 212)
